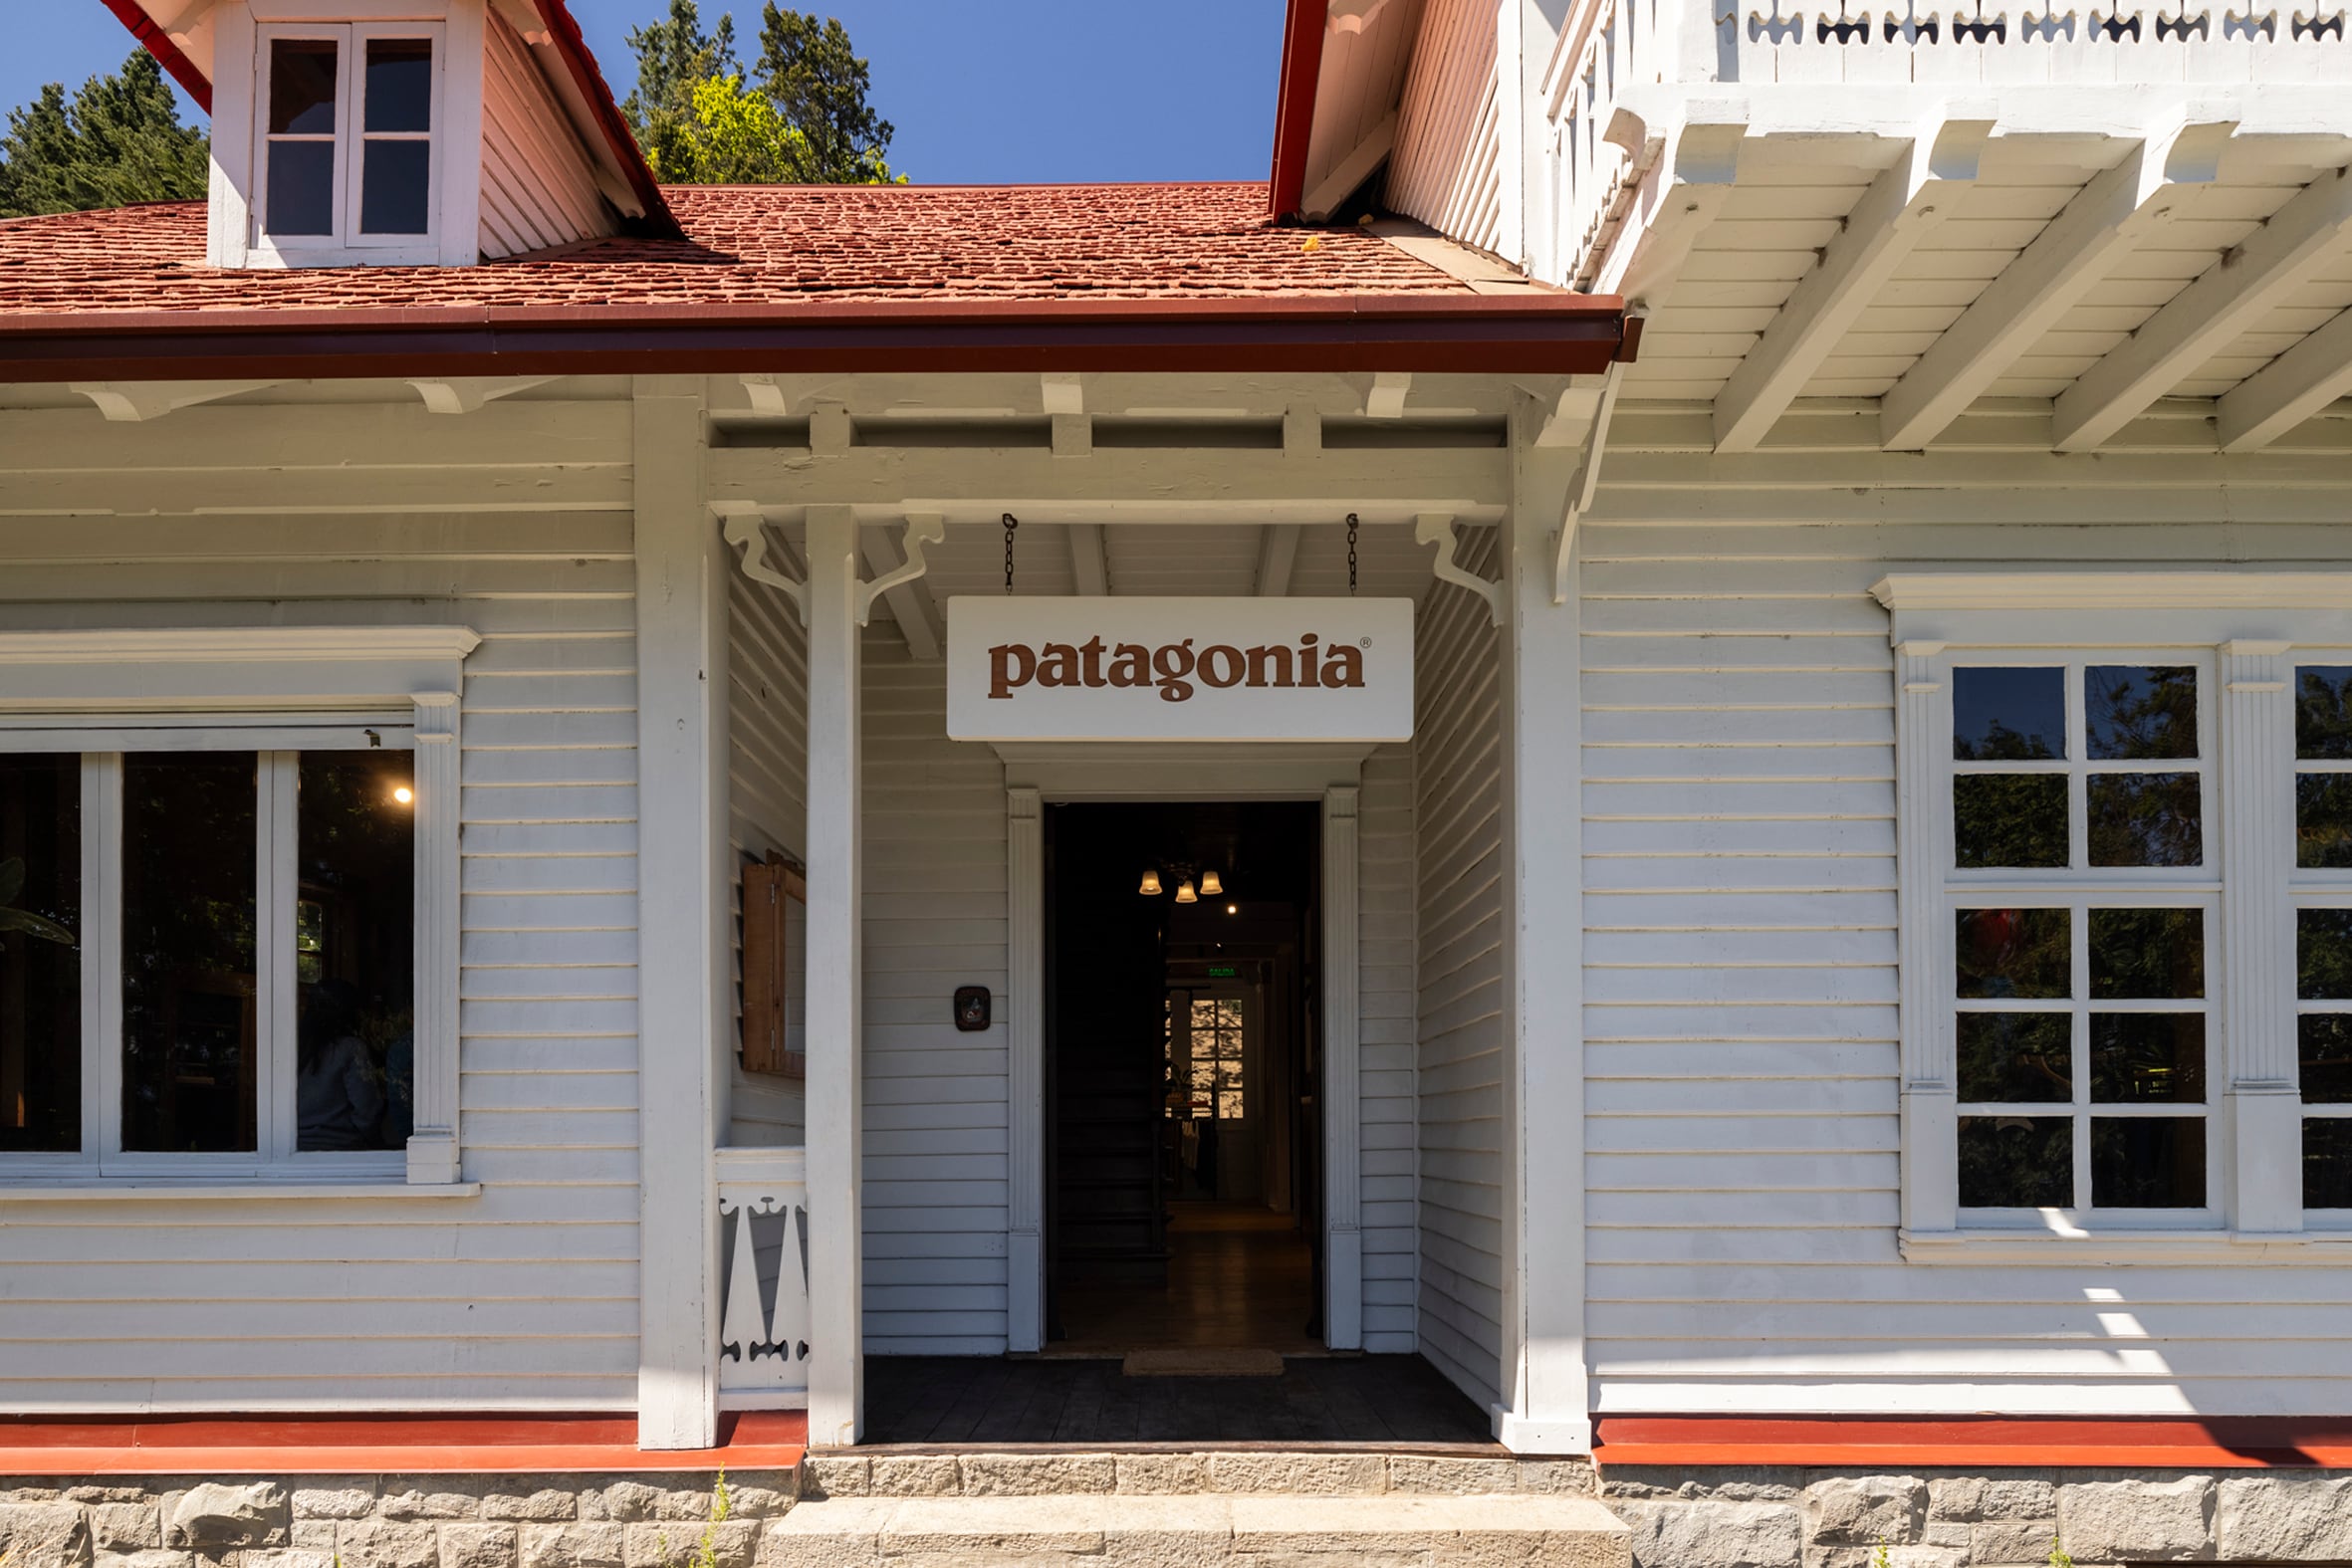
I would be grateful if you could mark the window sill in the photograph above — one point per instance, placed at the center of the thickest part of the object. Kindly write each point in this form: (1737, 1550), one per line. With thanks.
(1978, 1246)
(141, 1190)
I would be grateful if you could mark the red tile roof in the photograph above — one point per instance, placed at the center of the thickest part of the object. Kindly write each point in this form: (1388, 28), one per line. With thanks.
(827, 279)
(760, 245)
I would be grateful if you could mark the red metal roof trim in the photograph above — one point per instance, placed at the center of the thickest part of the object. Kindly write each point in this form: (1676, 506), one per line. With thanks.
(1977, 1443)
(1293, 114)
(168, 54)
(590, 79)
(1501, 334)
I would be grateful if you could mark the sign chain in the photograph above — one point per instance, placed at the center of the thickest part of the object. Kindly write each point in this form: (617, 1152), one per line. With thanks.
(1352, 528)
(1011, 523)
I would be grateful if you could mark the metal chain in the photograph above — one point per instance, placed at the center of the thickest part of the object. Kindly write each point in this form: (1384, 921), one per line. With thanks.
(1351, 527)
(1011, 523)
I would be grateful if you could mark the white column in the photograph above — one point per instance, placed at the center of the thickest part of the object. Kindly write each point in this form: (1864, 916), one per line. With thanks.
(835, 1103)
(1343, 1111)
(1548, 1408)
(1923, 853)
(2257, 817)
(1025, 1044)
(433, 1139)
(684, 916)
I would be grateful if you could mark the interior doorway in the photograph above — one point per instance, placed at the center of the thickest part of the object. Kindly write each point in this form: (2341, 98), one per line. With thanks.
(1184, 1137)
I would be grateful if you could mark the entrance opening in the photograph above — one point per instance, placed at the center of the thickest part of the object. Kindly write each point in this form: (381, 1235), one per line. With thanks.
(1185, 1141)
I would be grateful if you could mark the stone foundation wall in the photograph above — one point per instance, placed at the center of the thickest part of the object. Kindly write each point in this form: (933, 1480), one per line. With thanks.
(386, 1522)
(1809, 1519)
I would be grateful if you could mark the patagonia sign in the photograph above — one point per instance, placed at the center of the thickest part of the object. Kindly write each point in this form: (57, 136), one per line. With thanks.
(1179, 669)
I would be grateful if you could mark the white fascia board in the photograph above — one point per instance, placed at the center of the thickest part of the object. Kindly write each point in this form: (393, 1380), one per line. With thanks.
(2242, 287)
(2109, 219)
(1901, 207)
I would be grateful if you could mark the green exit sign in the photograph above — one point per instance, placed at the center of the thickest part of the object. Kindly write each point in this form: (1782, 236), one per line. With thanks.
(1223, 972)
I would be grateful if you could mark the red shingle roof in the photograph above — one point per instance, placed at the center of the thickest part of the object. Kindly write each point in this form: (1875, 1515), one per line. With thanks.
(760, 245)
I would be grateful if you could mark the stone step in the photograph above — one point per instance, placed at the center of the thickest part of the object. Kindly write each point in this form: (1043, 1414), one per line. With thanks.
(1176, 1469)
(1199, 1530)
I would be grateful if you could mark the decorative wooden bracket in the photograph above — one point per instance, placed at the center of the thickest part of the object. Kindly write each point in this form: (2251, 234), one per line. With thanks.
(747, 531)
(1437, 528)
(1587, 480)
(922, 529)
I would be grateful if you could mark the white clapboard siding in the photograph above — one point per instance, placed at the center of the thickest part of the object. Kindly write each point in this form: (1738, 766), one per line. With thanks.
(767, 799)
(522, 1298)
(1449, 132)
(1386, 1012)
(536, 187)
(935, 1098)
(1741, 1022)
(1458, 927)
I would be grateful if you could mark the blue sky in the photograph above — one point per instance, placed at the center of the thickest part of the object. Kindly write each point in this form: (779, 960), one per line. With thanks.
(981, 90)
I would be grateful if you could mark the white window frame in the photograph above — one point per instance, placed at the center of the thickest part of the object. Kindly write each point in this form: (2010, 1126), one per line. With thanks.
(2316, 888)
(2246, 630)
(347, 243)
(275, 691)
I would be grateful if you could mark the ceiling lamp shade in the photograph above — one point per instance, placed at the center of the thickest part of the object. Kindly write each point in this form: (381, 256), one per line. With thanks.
(1150, 887)
(1210, 884)
(1185, 894)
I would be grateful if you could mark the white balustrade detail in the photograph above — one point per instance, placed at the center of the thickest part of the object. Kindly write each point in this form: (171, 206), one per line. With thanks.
(763, 1296)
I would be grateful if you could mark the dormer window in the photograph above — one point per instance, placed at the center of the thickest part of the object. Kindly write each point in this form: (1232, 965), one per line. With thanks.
(346, 116)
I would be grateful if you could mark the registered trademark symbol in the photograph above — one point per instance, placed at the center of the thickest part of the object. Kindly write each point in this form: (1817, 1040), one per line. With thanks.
(1367, 642)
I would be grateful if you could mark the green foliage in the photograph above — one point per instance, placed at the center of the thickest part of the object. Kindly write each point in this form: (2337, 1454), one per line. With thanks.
(12, 882)
(820, 83)
(2060, 1557)
(706, 1552)
(118, 140)
(1879, 1557)
(801, 118)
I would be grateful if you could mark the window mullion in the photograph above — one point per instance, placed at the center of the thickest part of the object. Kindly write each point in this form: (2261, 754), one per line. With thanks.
(275, 969)
(101, 969)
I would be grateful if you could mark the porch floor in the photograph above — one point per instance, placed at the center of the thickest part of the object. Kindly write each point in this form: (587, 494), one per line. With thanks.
(932, 1400)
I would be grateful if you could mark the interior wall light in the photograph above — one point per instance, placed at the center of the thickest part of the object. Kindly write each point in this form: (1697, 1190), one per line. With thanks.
(1185, 893)
(403, 795)
(1233, 909)
(1210, 884)
(1150, 887)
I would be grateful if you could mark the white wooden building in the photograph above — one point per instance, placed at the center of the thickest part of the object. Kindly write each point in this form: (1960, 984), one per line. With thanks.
(1867, 497)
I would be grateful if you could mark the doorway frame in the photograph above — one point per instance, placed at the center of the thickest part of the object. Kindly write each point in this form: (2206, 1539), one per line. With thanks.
(1037, 774)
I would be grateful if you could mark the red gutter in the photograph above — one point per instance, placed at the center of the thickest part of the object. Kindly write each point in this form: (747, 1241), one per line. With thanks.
(168, 54)
(658, 221)
(1558, 333)
(1293, 115)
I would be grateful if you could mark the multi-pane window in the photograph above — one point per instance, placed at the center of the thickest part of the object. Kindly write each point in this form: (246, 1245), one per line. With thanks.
(2324, 930)
(207, 957)
(346, 122)
(1204, 1051)
(2081, 901)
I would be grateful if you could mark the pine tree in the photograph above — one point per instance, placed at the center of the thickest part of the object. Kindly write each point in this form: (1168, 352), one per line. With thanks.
(674, 59)
(818, 83)
(118, 140)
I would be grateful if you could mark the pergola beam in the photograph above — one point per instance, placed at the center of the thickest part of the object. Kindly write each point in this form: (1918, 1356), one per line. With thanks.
(2103, 225)
(1901, 207)
(2223, 303)
(2289, 390)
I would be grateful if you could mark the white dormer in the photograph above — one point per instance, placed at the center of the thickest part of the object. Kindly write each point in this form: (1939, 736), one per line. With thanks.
(402, 132)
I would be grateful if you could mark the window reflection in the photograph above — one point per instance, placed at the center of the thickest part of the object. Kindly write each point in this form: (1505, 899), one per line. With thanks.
(2000, 714)
(189, 1004)
(40, 953)
(354, 952)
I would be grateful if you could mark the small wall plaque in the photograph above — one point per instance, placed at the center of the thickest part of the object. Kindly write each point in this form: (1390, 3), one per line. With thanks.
(971, 1008)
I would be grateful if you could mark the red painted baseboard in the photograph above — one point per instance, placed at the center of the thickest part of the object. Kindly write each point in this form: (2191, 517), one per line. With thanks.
(1975, 1442)
(413, 1444)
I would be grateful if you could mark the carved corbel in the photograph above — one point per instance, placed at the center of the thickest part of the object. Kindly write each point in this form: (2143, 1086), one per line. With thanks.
(747, 531)
(922, 529)
(1437, 528)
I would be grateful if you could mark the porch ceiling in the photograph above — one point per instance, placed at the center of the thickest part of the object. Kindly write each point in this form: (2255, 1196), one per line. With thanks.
(2093, 273)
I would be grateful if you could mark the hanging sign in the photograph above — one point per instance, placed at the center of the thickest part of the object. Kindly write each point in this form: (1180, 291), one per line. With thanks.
(1179, 669)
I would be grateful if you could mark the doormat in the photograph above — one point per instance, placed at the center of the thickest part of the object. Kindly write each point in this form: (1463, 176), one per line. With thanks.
(1203, 1364)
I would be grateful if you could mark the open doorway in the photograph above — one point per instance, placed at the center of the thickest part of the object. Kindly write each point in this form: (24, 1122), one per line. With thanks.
(1184, 1132)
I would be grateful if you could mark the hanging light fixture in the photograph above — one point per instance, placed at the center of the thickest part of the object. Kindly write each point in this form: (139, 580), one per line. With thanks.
(1150, 887)
(1185, 893)
(1210, 884)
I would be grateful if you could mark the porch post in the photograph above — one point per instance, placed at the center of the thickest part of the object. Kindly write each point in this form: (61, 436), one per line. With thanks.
(1548, 1408)
(835, 1109)
(685, 954)
(1342, 1078)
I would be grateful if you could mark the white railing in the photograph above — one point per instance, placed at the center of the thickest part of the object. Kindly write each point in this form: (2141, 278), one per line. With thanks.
(764, 1274)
